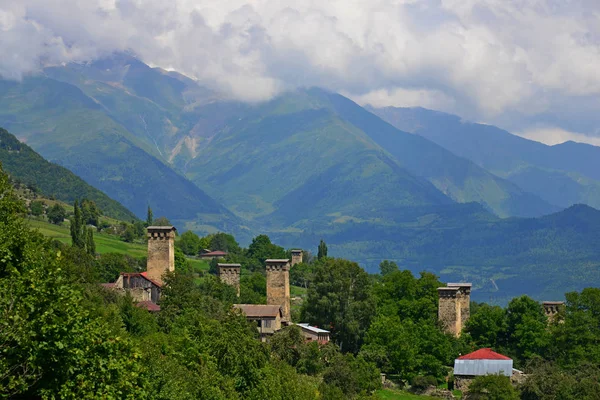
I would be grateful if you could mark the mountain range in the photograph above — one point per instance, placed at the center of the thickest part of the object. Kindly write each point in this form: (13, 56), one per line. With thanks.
(423, 188)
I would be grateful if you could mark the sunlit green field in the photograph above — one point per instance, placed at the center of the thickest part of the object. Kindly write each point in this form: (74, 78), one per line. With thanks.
(104, 243)
(389, 394)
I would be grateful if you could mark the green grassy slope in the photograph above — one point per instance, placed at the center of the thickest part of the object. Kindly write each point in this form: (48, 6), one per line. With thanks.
(26, 166)
(105, 243)
(564, 174)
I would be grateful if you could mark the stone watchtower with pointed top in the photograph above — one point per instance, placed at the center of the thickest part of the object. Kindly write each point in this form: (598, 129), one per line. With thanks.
(230, 275)
(454, 307)
(278, 285)
(161, 251)
(296, 257)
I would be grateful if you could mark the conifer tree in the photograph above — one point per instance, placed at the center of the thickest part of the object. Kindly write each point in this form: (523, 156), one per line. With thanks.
(149, 217)
(90, 245)
(77, 228)
(322, 250)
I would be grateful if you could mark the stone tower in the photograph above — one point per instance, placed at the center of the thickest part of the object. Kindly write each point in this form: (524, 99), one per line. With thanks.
(230, 274)
(551, 309)
(454, 306)
(464, 299)
(296, 257)
(278, 285)
(161, 251)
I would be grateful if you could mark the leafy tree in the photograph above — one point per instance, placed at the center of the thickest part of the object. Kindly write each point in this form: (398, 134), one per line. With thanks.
(37, 208)
(56, 214)
(547, 381)
(149, 217)
(110, 265)
(253, 289)
(527, 328)
(387, 267)
(492, 387)
(302, 274)
(90, 214)
(189, 243)
(223, 242)
(162, 221)
(78, 236)
(488, 326)
(90, 245)
(352, 375)
(128, 234)
(322, 252)
(340, 299)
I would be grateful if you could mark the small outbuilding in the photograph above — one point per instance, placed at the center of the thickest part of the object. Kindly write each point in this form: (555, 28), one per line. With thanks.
(268, 318)
(213, 254)
(312, 333)
(481, 362)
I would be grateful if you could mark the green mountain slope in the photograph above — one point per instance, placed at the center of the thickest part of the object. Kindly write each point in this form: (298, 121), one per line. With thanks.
(25, 165)
(563, 174)
(272, 156)
(64, 125)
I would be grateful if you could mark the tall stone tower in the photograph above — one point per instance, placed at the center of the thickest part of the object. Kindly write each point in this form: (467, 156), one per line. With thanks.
(454, 307)
(464, 300)
(278, 285)
(161, 251)
(296, 257)
(230, 274)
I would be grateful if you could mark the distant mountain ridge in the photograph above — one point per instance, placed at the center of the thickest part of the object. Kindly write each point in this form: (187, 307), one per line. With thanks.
(26, 166)
(562, 175)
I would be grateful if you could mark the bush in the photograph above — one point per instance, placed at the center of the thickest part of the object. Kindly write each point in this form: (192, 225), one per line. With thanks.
(37, 208)
(423, 382)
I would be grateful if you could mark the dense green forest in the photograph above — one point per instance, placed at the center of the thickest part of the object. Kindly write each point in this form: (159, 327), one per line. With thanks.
(28, 167)
(64, 336)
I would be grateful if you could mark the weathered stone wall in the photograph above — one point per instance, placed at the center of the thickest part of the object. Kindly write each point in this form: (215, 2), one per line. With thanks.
(230, 274)
(296, 257)
(278, 286)
(449, 310)
(552, 308)
(161, 252)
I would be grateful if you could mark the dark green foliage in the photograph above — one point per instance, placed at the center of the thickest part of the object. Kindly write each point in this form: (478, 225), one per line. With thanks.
(419, 382)
(340, 299)
(322, 251)
(90, 245)
(27, 166)
(109, 266)
(90, 213)
(253, 288)
(302, 274)
(547, 381)
(149, 217)
(78, 234)
(189, 243)
(352, 375)
(223, 242)
(56, 214)
(527, 328)
(37, 208)
(162, 221)
(262, 249)
(488, 326)
(387, 267)
(492, 387)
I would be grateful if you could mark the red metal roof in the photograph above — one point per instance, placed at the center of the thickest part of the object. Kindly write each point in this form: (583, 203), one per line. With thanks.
(148, 305)
(483, 354)
(214, 253)
(143, 274)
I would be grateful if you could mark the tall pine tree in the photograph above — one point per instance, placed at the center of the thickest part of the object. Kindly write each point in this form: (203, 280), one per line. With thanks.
(90, 245)
(149, 217)
(77, 228)
(322, 250)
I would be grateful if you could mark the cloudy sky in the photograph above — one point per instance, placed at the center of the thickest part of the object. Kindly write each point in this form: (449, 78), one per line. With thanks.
(530, 66)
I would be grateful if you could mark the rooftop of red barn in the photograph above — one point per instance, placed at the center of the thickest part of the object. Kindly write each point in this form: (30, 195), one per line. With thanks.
(484, 354)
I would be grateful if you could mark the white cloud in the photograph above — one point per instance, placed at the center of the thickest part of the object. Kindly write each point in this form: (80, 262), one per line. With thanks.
(554, 135)
(479, 58)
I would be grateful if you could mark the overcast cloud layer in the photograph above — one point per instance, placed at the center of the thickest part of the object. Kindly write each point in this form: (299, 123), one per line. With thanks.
(531, 66)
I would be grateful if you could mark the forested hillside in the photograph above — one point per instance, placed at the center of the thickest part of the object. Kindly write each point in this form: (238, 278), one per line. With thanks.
(26, 166)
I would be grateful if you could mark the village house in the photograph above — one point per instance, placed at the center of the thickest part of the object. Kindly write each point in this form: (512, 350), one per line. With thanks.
(213, 254)
(478, 363)
(267, 317)
(314, 334)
